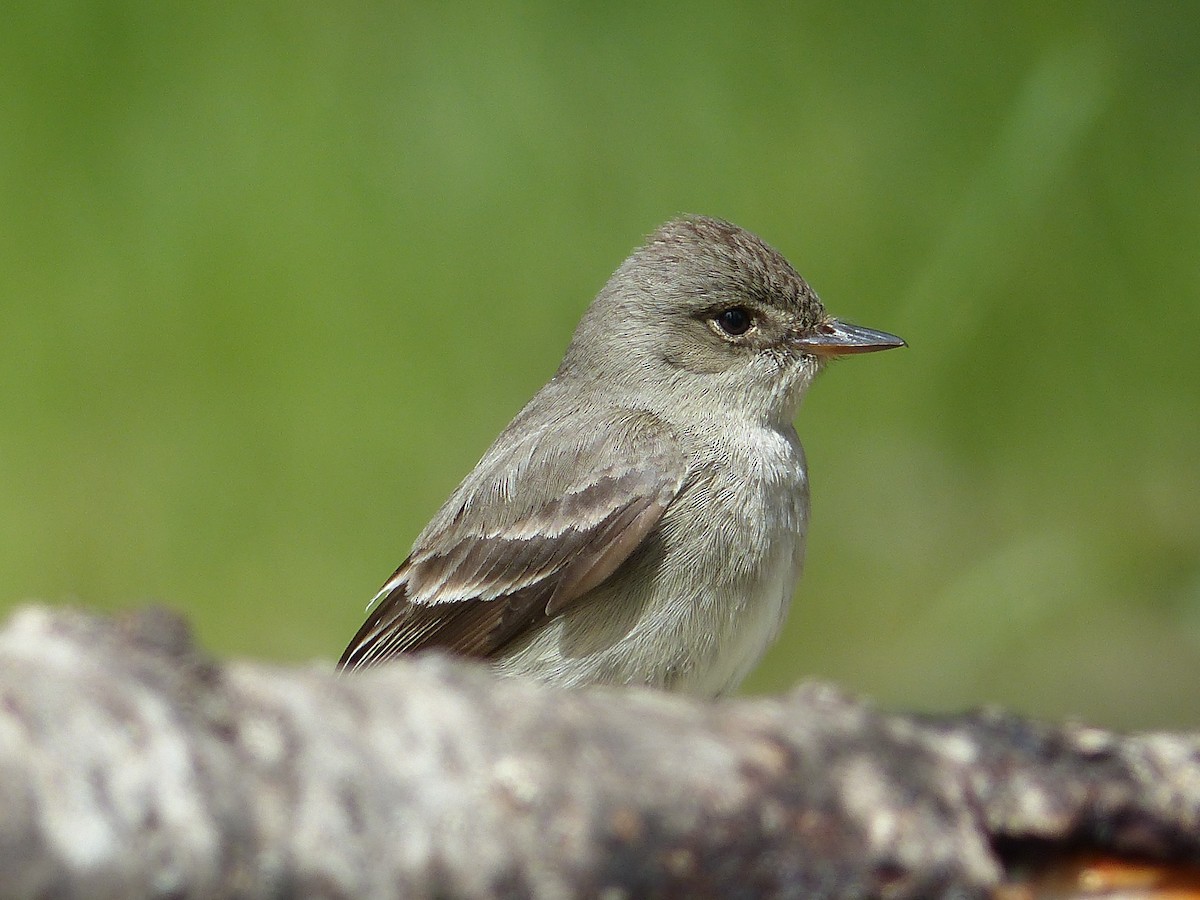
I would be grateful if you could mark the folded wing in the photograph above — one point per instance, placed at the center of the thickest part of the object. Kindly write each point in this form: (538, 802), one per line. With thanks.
(542, 520)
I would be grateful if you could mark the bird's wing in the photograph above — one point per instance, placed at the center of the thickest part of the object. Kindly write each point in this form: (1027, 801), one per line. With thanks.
(539, 523)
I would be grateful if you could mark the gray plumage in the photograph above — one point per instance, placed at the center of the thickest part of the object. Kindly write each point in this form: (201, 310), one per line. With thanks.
(642, 519)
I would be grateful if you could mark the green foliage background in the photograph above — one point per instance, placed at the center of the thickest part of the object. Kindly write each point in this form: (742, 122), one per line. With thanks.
(273, 275)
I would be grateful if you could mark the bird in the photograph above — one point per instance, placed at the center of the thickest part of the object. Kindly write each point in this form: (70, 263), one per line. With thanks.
(642, 520)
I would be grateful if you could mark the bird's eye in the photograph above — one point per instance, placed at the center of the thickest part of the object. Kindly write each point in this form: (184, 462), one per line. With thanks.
(734, 321)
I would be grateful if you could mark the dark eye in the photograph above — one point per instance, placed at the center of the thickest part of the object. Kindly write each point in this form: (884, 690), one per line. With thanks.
(734, 321)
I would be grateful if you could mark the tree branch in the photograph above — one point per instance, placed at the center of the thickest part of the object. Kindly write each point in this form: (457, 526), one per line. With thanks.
(131, 764)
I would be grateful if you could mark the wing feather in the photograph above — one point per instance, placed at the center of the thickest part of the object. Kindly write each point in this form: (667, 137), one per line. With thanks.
(497, 562)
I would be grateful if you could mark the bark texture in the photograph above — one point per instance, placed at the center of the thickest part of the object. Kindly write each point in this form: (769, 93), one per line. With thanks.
(131, 764)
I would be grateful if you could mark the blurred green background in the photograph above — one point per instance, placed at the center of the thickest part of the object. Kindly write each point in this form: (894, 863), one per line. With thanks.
(274, 275)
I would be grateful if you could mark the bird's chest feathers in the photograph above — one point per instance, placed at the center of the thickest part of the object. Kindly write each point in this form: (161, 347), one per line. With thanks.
(748, 541)
(754, 490)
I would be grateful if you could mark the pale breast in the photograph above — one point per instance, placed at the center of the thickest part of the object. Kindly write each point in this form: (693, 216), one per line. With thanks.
(765, 516)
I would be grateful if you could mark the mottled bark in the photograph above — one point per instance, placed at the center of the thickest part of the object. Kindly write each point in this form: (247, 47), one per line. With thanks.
(133, 765)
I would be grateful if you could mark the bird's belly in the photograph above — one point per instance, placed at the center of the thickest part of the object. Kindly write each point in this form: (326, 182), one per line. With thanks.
(748, 635)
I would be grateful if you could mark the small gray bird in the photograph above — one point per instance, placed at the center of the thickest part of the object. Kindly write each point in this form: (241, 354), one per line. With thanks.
(642, 519)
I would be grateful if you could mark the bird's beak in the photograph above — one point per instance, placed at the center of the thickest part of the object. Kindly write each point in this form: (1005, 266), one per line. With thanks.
(834, 338)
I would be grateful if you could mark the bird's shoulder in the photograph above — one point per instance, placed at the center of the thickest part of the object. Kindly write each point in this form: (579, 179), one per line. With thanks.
(564, 461)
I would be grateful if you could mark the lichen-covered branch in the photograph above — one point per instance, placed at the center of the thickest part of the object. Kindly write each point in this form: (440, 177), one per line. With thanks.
(133, 765)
